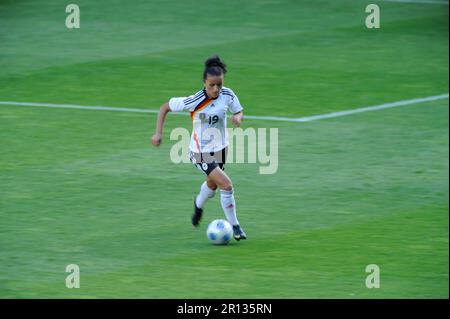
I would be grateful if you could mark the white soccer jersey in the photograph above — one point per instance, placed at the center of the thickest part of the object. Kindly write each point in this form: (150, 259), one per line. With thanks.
(209, 118)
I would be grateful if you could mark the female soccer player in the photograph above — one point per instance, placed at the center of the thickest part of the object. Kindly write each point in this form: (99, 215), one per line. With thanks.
(209, 140)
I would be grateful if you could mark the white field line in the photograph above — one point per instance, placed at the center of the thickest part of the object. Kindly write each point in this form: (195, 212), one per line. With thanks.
(253, 117)
(80, 107)
(373, 108)
(445, 3)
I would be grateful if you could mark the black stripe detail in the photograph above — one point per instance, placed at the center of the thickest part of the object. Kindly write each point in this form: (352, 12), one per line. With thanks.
(193, 100)
(195, 96)
(228, 94)
(196, 99)
(227, 90)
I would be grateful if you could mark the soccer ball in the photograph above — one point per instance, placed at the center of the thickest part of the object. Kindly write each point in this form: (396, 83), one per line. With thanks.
(219, 232)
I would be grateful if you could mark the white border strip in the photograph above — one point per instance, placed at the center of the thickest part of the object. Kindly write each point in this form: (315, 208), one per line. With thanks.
(253, 117)
(445, 3)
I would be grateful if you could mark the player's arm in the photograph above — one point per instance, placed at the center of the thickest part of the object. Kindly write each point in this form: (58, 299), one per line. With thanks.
(157, 137)
(237, 118)
(236, 108)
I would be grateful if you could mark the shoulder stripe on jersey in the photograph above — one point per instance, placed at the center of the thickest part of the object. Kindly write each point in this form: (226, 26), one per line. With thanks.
(231, 96)
(186, 102)
(226, 93)
(192, 99)
(199, 92)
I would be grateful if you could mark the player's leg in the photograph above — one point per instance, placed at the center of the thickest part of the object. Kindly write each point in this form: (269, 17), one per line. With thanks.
(211, 184)
(207, 191)
(221, 179)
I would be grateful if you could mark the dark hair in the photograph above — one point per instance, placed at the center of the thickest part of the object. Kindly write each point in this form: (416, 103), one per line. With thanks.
(214, 66)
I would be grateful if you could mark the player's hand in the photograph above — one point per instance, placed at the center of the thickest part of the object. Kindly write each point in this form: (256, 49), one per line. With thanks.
(236, 119)
(156, 139)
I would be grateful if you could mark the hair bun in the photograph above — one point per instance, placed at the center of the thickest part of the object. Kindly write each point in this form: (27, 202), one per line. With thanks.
(214, 66)
(214, 61)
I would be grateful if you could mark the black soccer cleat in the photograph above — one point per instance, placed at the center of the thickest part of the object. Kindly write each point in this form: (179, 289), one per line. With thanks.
(238, 233)
(197, 216)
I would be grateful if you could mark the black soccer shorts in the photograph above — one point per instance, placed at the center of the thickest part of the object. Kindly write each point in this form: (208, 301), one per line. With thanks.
(207, 162)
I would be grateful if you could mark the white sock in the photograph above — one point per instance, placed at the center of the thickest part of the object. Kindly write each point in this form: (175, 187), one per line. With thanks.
(205, 194)
(229, 206)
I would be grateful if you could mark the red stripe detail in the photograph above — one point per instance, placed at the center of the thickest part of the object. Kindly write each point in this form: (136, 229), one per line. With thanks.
(201, 106)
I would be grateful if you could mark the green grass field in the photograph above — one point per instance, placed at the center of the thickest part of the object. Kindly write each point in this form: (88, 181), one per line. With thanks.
(85, 187)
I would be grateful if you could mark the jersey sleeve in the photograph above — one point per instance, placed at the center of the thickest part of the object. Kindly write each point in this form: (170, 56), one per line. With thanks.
(178, 104)
(234, 105)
